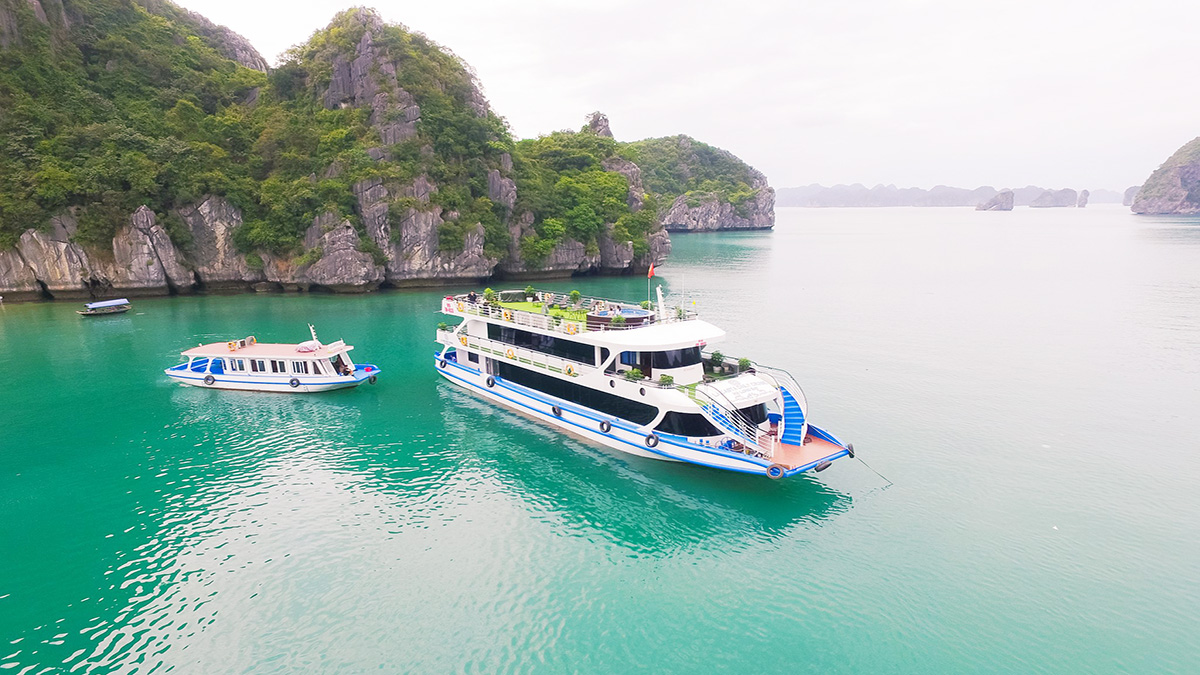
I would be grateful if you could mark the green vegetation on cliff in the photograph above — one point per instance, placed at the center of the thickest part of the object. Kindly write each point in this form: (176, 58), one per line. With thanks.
(560, 181)
(124, 104)
(91, 113)
(677, 165)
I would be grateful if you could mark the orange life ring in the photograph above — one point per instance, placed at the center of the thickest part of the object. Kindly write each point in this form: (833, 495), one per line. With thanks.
(460, 305)
(232, 344)
(463, 340)
(570, 370)
(510, 355)
(571, 328)
(251, 341)
(507, 315)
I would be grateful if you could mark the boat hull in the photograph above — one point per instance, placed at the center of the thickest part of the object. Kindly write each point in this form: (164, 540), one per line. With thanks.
(621, 435)
(306, 385)
(102, 312)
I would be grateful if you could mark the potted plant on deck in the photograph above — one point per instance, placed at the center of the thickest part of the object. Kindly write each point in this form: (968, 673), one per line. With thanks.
(717, 361)
(530, 293)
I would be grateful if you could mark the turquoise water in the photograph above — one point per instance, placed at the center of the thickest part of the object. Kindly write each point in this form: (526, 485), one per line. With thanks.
(1029, 381)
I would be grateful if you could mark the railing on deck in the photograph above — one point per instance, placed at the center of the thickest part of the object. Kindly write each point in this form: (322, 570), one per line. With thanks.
(729, 419)
(783, 379)
(460, 305)
(506, 352)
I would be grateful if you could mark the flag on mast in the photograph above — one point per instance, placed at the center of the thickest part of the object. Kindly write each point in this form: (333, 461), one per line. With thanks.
(650, 274)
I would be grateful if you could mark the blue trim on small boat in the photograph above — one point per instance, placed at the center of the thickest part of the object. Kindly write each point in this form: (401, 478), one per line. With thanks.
(360, 375)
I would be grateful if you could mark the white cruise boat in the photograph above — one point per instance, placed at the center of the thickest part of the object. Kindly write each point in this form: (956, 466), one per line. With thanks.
(636, 378)
(250, 365)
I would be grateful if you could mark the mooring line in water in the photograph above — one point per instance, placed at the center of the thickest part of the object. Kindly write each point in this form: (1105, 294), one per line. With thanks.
(889, 482)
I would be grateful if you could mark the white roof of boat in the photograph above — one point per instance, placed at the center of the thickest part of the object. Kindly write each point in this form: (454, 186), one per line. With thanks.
(675, 335)
(267, 350)
(107, 303)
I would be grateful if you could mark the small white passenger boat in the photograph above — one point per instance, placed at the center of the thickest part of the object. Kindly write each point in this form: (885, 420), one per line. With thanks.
(635, 377)
(118, 306)
(250, 365)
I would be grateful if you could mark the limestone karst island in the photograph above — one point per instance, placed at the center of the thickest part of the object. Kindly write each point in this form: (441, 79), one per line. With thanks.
(156, 153)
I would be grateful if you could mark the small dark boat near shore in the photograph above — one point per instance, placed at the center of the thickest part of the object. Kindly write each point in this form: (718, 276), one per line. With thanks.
(118, 306)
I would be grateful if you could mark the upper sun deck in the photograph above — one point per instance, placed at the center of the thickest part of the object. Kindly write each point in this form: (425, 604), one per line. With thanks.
(252, 349)
(590, 320)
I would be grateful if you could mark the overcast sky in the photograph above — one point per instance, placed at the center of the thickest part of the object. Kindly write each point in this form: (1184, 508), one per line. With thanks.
(1053, 93)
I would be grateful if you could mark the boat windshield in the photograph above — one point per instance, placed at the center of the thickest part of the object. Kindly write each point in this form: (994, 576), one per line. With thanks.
(676, 358)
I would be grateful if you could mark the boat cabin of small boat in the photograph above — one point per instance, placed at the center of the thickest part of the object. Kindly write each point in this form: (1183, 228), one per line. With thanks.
(635, 377)
(118, 306)
(250, 365)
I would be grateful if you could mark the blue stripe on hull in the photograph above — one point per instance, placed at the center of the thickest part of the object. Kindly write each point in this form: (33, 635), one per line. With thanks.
(752, 465)
(195, 378)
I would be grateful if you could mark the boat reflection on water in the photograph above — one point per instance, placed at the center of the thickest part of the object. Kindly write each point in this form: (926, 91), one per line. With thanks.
(267, 438)
(647, 506)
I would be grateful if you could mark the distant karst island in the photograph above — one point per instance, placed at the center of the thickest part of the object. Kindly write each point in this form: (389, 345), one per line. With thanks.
(985, 198)
(149, 151)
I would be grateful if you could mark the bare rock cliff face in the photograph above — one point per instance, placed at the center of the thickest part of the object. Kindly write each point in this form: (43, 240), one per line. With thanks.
(598, 124)
(369, 81)
(633, 174)
(60, 266)
(142, 261)
(342, 268)
(17, 278)
(568, 257)
(10, 31)
(145, 260)
(1083, 199)
(217, 263)
(1003, 201)
(230, 44)
(411, 243)
(712, 214)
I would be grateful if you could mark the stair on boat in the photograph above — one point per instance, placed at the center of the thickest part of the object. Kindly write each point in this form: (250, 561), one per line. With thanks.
(793, 420)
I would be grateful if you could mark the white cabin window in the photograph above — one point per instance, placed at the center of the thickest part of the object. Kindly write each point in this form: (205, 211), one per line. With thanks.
(258, 365)
(317, 368)
(279, 366)
(300, 367)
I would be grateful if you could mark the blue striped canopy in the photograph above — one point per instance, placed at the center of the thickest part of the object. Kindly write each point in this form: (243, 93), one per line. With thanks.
(106, 303)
